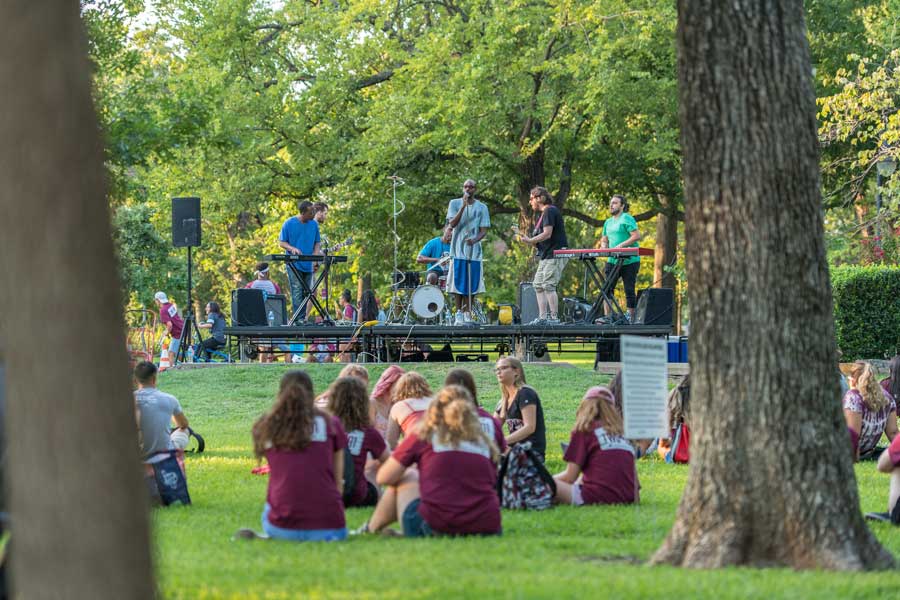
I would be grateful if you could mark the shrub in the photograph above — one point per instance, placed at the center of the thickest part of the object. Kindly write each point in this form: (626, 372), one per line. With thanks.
(866, 311)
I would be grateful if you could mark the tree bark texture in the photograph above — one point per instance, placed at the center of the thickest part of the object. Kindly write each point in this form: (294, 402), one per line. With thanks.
(77, 502)
(664, 254)
(771, 479)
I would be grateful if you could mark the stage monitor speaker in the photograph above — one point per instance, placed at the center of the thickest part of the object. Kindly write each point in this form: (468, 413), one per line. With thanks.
(528, 308)
(277, 304)
(248, 308)
(655, 307)
(185, 222)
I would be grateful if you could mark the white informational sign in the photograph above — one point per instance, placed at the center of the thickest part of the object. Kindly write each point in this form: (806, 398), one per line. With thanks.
(644, 387)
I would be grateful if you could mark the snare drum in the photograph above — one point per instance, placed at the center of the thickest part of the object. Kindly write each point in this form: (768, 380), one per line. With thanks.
(408, 280)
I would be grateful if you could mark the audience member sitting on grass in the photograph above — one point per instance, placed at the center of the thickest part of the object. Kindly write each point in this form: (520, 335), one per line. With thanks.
(155, 411)
(352, 370)
(348, 400)
(489, 423)
(162, 450)
(869, 410)
(305, 451)
(380, 400)
(520, 407)
(453, 491)
(889, 462)
(677, 447)
(600, 465)
(891, 383)
(410, 399)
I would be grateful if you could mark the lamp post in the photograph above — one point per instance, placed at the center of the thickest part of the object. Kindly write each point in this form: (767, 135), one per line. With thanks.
(884, 168)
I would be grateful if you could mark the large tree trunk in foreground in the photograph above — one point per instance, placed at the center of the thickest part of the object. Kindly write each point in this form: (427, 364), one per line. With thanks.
(78, 508)
(771, 479)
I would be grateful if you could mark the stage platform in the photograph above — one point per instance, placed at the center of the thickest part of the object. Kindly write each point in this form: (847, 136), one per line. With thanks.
(383, 342)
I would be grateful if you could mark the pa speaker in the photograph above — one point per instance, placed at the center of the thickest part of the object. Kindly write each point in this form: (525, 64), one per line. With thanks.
(248, 309)
(185, 222)
(277, 305)
(528, 308)
(655, 307)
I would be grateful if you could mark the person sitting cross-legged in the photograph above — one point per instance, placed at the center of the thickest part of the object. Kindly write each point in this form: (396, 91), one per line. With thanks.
(600, 465)
(453, 491)
(305, 451)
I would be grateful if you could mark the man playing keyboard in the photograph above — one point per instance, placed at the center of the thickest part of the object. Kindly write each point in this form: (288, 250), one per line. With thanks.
(300, 235)
(620, 230)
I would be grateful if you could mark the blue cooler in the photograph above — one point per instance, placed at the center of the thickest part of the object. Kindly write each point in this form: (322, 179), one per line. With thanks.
(674, 350)
(683, 349)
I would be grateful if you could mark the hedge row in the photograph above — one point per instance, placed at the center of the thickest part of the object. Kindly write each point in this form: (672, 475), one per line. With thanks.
(866, 311)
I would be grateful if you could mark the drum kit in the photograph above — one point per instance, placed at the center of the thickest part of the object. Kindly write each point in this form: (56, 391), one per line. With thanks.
(415, 301)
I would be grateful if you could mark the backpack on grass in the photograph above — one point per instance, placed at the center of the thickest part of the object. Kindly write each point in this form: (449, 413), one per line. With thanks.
(524, 481)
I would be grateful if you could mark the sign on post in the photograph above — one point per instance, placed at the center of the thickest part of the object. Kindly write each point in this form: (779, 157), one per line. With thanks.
(644, 388)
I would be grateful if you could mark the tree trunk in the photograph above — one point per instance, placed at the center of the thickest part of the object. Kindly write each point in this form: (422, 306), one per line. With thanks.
(771, 479)
(532, 174)
(77, 502)
(666, 245)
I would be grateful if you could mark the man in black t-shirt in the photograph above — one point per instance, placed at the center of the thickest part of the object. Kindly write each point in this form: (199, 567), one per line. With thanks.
(549, 234)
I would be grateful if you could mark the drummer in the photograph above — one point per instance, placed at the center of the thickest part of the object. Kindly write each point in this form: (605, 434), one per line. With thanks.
(434, 253)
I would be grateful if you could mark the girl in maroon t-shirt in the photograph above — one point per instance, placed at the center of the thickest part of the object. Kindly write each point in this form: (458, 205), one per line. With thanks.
(599, 454)
(453, 490)
(349, 402)
(410, 398)
(304, 447)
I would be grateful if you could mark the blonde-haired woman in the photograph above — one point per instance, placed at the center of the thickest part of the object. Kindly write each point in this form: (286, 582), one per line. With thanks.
(520, 406)
(869, 410)
(600, 462)
(453, 490)
(410, 399)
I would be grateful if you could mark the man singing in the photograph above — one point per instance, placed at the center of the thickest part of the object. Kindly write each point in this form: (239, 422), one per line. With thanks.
(300, 235)
(432, 253)
(470, 220)
(549, 234)
(620, 230)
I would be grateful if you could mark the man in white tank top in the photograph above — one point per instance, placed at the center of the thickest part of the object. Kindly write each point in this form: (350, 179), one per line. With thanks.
(262, 281)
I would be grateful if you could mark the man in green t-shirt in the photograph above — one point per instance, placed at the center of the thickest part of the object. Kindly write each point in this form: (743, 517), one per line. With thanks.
(620, 230)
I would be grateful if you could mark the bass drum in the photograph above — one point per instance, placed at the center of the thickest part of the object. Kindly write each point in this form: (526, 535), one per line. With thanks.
(428, 301)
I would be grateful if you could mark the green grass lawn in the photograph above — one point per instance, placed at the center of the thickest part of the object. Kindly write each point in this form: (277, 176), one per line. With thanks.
(565, 552)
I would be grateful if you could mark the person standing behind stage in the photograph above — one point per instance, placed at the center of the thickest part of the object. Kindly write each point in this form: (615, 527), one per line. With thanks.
(470, 220)
(300, 235)
(621, 231)
(168, 315)
(436, 249)
(262, 281)
(549, 234)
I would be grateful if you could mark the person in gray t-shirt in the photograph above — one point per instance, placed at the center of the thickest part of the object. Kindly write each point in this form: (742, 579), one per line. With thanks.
(155, 411)
(470, 220)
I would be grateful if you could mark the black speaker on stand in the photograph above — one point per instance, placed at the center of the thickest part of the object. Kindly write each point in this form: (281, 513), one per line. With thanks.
(655, 307)
(528, 308)
(186, 234)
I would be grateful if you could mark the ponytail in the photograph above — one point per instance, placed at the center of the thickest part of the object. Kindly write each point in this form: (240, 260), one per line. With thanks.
(451, 419)
(867, 385)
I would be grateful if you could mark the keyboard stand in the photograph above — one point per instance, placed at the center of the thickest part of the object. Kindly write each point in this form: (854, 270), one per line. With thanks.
(607, 291)
(310, 293)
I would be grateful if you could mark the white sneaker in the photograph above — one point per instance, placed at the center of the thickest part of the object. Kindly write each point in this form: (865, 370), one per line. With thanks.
(552, 320)
(467, 318)
(538, 321)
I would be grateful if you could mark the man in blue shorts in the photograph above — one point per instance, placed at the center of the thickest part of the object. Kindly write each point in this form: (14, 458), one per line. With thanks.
(470, 220)
(300, 235)
(432, 253)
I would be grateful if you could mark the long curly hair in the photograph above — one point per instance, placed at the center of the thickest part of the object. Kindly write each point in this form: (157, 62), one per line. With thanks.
(867, 385)
(410, 385)
(463, 377)
(368, 307)
(451, 419)
(598, 404)
(288, 424)
(680, 403)
(615, 386)
(349, 402)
